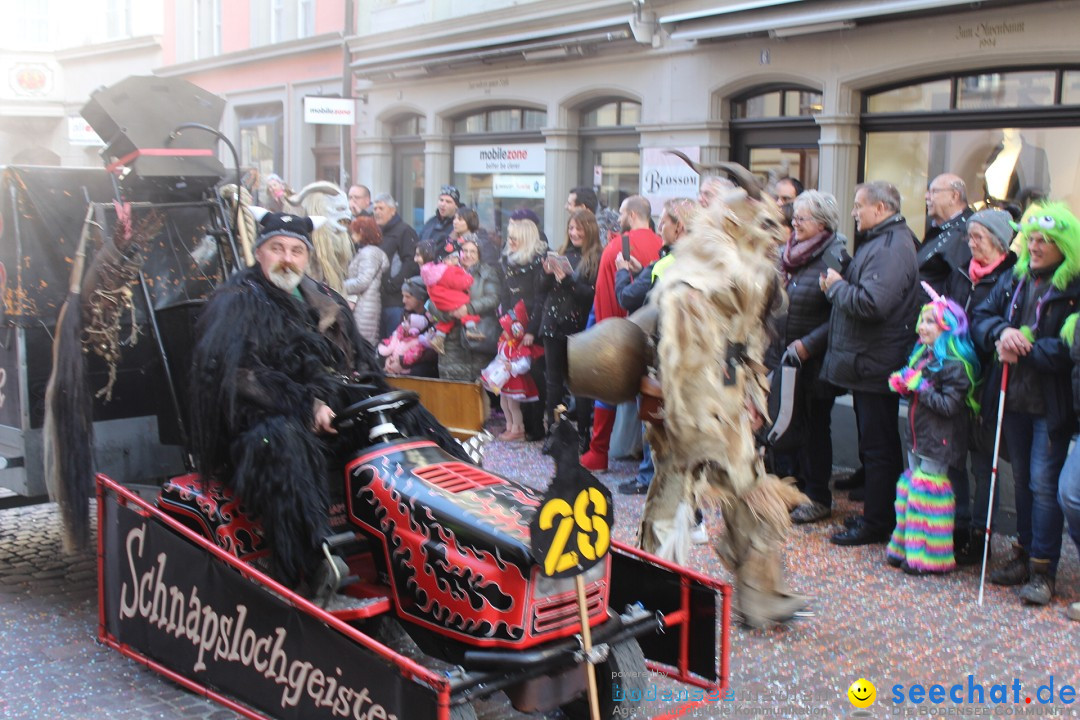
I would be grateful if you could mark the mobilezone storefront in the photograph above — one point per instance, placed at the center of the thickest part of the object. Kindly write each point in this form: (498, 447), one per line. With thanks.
(496, 179)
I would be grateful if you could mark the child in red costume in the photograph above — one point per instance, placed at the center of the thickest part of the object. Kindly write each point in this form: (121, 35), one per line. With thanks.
(448, 289)
(508, 374)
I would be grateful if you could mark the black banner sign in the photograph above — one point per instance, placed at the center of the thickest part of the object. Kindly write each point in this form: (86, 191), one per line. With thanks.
(189, 611)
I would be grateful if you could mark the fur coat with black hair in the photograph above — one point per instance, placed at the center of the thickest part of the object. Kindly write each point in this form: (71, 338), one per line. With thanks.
(262, 359)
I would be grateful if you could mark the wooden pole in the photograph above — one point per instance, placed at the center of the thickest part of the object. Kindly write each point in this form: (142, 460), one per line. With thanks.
(586, 639)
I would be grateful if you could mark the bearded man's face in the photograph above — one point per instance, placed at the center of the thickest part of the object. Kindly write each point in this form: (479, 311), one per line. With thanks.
(283, 260)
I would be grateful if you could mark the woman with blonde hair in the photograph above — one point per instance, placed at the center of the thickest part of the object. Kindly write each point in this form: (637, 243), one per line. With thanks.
(524, 279)
(570, 285)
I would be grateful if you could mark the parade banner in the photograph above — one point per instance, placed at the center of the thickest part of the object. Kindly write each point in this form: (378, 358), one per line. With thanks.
(192, 613)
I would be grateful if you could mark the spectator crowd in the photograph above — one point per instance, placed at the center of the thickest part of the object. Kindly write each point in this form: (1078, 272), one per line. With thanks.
(978, 314)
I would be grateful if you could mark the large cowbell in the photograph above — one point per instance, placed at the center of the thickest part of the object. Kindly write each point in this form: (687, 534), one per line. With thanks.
(138, 118)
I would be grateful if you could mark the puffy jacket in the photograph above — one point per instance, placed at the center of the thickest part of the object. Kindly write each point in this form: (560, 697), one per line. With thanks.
(1049, 357)
(364, 279)
(567, 305)
(874, 310)
(399, 244)
(459, 363)
(938, 417)
(808, 313)
(945, 249)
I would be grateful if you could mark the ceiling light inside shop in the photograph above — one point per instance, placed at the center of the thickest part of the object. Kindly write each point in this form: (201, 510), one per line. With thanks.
(548, 53)
(810, 29)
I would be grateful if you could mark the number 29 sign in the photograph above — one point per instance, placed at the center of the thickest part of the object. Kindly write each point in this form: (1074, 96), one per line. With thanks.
(571, 531)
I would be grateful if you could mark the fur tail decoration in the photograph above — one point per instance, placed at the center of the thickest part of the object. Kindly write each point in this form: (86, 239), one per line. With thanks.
(68, 427)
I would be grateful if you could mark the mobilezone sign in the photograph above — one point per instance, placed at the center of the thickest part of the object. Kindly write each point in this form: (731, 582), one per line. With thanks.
(498, 159)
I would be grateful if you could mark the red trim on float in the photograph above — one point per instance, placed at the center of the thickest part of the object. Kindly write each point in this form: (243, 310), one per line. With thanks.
(158, 152)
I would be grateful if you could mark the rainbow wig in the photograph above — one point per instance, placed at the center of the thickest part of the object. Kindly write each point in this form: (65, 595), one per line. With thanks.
(953, 342)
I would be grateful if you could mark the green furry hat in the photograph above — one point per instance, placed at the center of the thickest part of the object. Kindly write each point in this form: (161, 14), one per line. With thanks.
(1056, 223)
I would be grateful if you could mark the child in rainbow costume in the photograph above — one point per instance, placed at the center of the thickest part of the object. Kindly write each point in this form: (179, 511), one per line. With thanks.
(939, 379)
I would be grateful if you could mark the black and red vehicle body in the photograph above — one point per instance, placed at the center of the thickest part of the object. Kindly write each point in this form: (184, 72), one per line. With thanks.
(442, 547)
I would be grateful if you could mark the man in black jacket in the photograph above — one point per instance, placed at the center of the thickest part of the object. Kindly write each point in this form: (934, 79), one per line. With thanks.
(441, 224)
(871, 331)
(275, 353)
(945, 248)
(399, 243)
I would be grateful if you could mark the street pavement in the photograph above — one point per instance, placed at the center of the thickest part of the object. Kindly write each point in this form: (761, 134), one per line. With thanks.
(872, 622)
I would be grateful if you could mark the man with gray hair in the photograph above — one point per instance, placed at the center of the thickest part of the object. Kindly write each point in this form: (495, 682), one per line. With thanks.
(871, 331)
(399, 243)
(944, 247)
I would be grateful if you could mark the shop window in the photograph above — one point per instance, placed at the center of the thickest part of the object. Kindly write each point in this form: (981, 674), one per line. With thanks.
(409, 125)
(499, 164)
(794, 102)
(500, 120)
(925, 97)
(617, 113)
(996, 90)
(1010, 135)
(262, 137)
(327, 152)
(1070, 87)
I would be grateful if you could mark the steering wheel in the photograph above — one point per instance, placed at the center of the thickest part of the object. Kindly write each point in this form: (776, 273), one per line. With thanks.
(377, 405)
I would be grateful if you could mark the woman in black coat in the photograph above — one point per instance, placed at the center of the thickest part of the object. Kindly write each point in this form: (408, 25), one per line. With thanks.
(569, 299)
(990, 233)
(804, 333)
(524, 279)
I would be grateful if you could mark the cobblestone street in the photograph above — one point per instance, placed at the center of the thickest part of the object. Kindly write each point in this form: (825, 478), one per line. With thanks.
(872, 621)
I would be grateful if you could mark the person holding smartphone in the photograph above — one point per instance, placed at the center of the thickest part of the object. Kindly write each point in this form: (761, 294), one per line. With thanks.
(813, 247)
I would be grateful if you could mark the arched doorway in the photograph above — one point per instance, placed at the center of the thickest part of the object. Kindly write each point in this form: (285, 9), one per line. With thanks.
(774, 135)
(407, 185)
(610, 154)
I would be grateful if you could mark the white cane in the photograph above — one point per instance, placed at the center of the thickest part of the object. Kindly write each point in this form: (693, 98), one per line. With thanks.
(993, 478)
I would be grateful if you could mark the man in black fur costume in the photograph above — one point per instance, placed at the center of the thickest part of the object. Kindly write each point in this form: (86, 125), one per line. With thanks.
(276, 353)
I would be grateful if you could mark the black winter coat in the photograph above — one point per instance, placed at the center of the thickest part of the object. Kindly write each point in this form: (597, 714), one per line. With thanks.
(938, 417)
(437, 228)
(567, 305)
(1049, 357)
(874, 309)
(399, 244)
(525, 282)
(944, 250)
(807, 318)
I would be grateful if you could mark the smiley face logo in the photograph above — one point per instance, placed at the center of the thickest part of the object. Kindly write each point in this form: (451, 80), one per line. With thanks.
(862, 693)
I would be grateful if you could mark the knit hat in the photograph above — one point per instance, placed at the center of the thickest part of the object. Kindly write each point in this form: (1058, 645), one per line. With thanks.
(525, 214)
(276, 224)
(415, 287)
(451, 191)
(1055, 222)
(998, 223)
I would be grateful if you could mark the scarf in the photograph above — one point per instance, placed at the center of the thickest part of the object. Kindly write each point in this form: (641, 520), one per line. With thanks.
(977, 271)
(797, 254)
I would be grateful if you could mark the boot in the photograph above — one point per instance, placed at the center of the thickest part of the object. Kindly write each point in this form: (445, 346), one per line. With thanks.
(1014, 572)
(968, 545)
(596, 458)
(1040, 588)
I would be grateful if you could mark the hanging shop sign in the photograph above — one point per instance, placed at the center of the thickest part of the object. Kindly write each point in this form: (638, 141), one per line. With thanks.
(664, 176)
(329, 110)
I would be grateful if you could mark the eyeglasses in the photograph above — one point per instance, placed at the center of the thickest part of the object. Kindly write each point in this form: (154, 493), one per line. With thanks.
(800, 219)
(932, 191)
